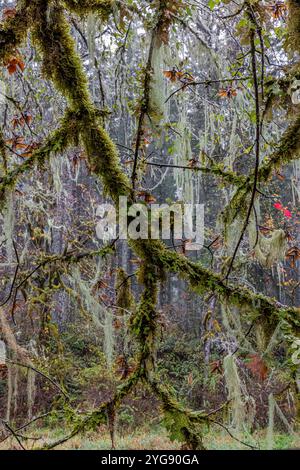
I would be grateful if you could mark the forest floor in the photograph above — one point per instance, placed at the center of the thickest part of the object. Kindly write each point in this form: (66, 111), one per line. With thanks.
(153, 439)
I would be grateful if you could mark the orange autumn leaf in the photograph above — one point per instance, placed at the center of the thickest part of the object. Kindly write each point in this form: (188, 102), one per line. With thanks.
(279, 176)
(14, 63)
(173, 75)
(123, 368)
(216, 366)
(17, 143)
(293, 254)
(257, 366)
(29, 150)
(193, 162)
(277, 10)
(20, 121)
(9, 13)
(27, 117)
(117, 324)
(149, 199)
(228, 92)
(15, 121)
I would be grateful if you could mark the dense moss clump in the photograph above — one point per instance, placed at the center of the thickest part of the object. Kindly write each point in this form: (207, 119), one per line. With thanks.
(14, 30)
(84, 7)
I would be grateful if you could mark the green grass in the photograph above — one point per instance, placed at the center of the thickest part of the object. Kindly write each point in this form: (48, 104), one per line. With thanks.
(155, 438)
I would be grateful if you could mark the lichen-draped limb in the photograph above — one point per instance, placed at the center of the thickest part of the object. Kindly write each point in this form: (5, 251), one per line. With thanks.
(206, 281)
(105, 163)
(58, 141)
(287, 150)
(150, 106)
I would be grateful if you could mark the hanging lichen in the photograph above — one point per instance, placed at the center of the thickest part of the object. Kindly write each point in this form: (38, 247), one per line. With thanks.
(270, 432)
(8, 224)
(268, 250)
(234, 388)
(182, 157)
(101, 316)
(31, 392)
(2, 353)
(157, 106)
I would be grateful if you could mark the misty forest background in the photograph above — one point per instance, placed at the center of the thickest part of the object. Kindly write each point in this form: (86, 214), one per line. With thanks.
(145, 344)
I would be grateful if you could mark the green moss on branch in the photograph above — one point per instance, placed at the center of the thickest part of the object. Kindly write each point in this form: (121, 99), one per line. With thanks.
(13, 30)
(57, 142)
(84, 7)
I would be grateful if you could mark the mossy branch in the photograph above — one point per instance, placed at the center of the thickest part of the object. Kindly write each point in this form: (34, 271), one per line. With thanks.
(14, 30)
(84, 7)
(57, 142)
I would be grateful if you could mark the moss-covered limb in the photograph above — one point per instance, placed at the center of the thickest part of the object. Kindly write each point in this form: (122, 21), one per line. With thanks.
(205, 281)
(293, 25)
(124, 296)
(100, 416)
(57, 142)
(183, 424)
(61, 64)
(3, 152)
(65, 259)
(145, 101)
(227, 176)
(13, 30)
(149, 108)
(287, 151)
(72, 257)
(216, 169)
(84, 7)
(104, 159)
(144, 321)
